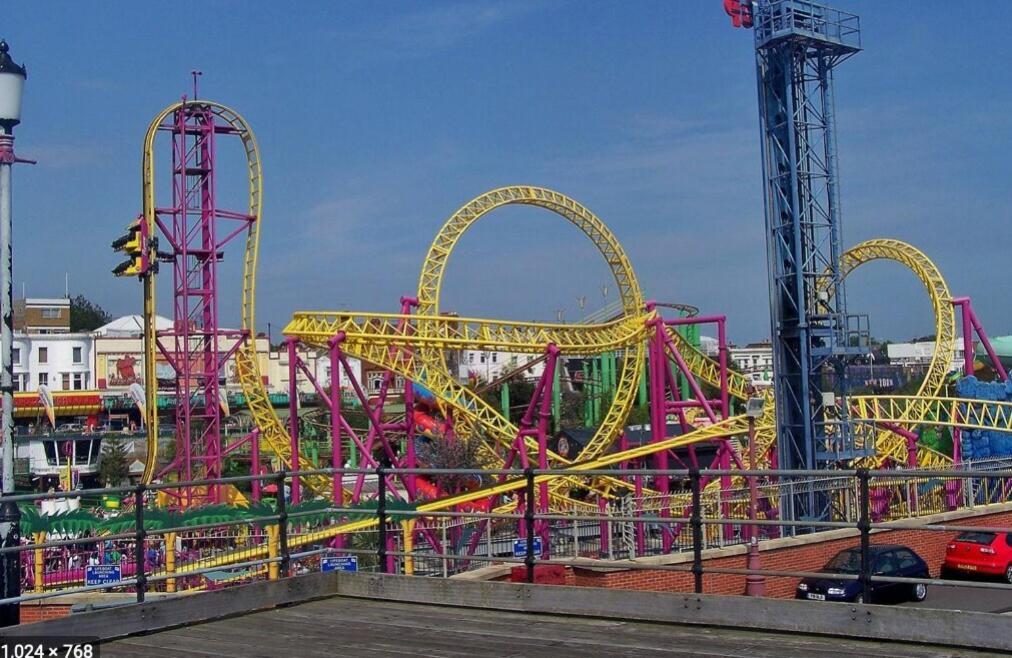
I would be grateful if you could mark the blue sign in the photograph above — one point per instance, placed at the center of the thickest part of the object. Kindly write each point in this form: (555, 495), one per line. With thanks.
(339, 563)
(520, 547)
(102, 574)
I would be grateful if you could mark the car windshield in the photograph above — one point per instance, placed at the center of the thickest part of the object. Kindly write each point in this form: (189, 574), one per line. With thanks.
(976, 537)
(845, 562)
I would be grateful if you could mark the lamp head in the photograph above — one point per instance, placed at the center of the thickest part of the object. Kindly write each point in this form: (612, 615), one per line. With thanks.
(12, 85)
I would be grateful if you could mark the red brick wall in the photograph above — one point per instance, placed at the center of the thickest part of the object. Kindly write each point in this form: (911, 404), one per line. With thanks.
(811, 557)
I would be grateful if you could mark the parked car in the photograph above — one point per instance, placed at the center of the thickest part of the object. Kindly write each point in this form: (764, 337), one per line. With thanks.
(981, 553)
(886, 560)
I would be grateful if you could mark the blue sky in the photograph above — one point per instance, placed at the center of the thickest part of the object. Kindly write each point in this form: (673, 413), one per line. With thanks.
(378, 120)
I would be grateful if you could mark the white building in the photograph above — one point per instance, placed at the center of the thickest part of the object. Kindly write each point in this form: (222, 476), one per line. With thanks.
(920, 354)
(119, 360)
(753, 358)
(61, 361)
(491, 365)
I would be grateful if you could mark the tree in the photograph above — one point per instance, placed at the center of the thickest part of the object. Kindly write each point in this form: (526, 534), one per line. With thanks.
(86, 315)
(114, 466)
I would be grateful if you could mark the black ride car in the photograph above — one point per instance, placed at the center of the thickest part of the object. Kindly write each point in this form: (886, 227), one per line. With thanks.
(886, 560)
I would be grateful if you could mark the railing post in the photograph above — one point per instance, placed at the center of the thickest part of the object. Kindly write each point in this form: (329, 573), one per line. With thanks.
(529, 522)
(381, 516)
(864, 526)
(696, 521)
(283, 524)
(139, 534)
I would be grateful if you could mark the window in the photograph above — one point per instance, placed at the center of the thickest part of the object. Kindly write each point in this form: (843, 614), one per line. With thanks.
(1008, 538)
(907, 560)
(16, 358)
(43, 355)
(43, 379)
(77, 355)
(885, 565)
(493, 357)
(483, 357)
(80, 381)
(470, 357)
(18, 382)
(51, 313)
(65, 381)
(984, 538)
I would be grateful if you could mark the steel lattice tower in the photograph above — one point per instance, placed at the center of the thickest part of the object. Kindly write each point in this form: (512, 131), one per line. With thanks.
(798, 45)
(194, 345)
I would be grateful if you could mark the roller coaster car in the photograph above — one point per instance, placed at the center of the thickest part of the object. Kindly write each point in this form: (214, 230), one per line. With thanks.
(740, 12)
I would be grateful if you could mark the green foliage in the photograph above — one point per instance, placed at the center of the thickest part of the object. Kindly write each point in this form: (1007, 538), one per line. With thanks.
(640, 415)
(571, 410)
(114, 463)
(86, 315)
(521, 392)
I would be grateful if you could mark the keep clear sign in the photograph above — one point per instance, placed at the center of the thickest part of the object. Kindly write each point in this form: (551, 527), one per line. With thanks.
(520, 547)
(102, 574)
(339, 563)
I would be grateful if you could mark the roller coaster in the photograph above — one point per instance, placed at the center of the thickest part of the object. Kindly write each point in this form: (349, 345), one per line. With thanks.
(691, 398)
(414, 344)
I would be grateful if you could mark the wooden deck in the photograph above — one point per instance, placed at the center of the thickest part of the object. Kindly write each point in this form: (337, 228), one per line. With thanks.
(341, 626)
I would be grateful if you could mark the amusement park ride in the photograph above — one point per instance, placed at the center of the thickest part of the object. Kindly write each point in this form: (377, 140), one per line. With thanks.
(804, 423)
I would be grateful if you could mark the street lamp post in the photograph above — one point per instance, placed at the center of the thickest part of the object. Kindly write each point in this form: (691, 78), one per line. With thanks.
(12, 83)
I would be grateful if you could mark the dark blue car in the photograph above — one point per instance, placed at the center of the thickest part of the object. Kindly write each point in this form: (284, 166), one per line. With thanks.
(886, 560)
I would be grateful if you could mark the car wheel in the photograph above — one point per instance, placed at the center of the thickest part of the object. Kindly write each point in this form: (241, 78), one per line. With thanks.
(1008, 573)
(919, 592)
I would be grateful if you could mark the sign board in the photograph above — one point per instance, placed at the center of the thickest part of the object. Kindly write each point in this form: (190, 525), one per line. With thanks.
(102, 574)
(339, 563)
(520, 547)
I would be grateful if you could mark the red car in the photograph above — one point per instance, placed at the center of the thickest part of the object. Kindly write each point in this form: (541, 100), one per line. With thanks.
(984, 553)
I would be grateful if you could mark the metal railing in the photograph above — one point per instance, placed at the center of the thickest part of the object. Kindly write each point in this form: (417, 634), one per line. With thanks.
(388, 535)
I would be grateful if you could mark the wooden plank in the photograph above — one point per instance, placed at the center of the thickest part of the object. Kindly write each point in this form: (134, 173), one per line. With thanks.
(339, 626)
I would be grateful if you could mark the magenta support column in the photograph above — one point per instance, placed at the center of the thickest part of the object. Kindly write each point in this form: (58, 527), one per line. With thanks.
(658, 411)
(724, 457)
(971, 321)
(725, 409)
(293, 416)
(964, 307)
(336, 456)
(544, 415)
(254, 443)
(602, 508)
(641, 539)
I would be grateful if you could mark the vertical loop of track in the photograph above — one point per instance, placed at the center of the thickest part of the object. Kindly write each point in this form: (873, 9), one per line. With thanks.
(271, 430)
(434, 267)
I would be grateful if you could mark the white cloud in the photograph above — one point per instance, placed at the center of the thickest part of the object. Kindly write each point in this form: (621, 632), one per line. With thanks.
(434, 28)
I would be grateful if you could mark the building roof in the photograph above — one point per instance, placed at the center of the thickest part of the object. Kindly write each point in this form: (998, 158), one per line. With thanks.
(46, 301)
(130, 325)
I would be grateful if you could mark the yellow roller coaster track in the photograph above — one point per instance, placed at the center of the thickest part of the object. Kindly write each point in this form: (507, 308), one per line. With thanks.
(430, 286)
(890, 445)
(424, 336)
(370, 336)
(271, 431)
